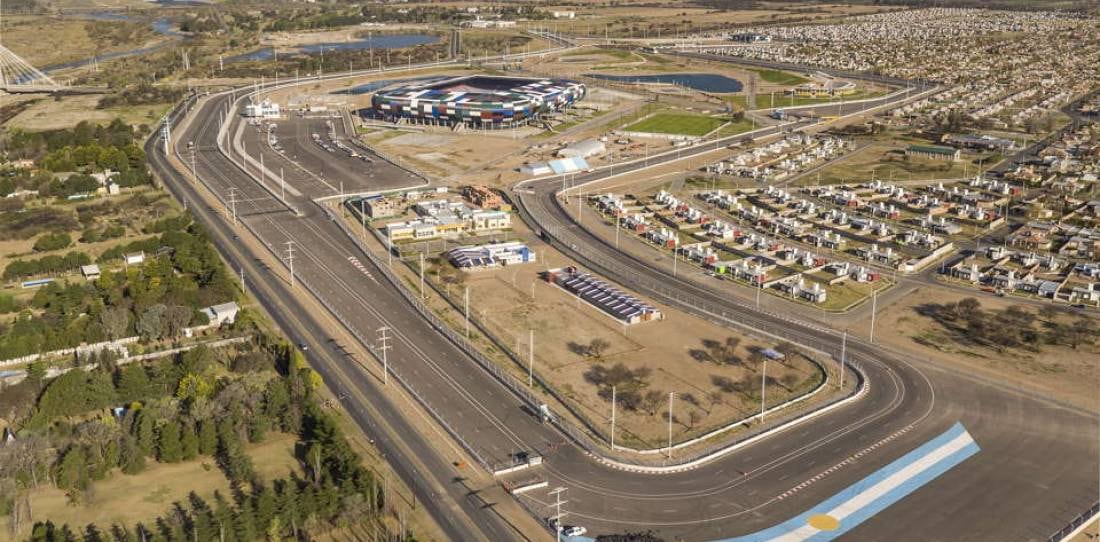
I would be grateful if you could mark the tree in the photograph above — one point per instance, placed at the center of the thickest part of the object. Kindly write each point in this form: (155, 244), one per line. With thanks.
(151, 323)
(115, 321)
(132, 383)
(176, 319)
(694, 417)
(72, 470)
(1083, 331)
(189, 443)
(169, 447)
(597, 347)
(130, 458)
(208, 438)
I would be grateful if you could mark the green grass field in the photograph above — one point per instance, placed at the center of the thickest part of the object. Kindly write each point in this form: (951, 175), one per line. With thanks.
(677, 123)
(777, 77)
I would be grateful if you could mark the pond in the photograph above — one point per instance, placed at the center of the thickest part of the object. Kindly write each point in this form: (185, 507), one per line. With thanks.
(393, 41)
(706, 82)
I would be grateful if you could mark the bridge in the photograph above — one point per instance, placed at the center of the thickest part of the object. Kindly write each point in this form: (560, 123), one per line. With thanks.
(17, 75)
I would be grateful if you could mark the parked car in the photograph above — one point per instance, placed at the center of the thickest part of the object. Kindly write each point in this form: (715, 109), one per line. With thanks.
(574, 530)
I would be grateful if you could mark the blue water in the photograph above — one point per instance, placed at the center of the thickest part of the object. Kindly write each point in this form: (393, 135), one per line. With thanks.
(706, 82)
(396, 41)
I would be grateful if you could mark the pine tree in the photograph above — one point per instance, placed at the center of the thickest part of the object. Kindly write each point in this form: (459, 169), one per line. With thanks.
(265, 508)
(208, 438)
(72, 469)
(133, 383)
(169, 448)
(244, 522)
(130, 457)
(223, 517)
(145, 432)
(189, 441)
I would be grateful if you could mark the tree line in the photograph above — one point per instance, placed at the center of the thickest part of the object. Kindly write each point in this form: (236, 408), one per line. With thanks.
(199, 404)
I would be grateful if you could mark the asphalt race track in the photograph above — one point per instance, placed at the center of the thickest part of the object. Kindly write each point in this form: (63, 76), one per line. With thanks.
(1029, 447)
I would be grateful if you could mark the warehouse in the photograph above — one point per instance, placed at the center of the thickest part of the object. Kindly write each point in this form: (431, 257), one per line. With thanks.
(622, 306)
(473, 257)
(480, 101)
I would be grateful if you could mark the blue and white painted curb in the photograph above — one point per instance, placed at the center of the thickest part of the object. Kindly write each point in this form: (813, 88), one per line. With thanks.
(862, 500)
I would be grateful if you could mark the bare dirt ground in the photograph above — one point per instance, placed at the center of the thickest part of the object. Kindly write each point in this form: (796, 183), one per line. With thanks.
(1056, 371)
(674, 351)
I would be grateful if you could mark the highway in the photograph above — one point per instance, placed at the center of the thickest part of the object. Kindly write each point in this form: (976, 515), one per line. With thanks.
(907, 401)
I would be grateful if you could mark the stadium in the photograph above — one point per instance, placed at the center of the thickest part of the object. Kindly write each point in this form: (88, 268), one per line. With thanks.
(479, 101)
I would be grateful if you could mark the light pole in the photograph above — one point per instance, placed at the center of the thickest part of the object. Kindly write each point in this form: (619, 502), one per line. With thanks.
(843, 352)
(763, 388)
(383, 338)
(290, 260)
(612, 418)
(530, 358)
(670, 396)
(874, 296)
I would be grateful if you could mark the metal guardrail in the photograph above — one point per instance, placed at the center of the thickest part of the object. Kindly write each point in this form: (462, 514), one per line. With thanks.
(1082, 519)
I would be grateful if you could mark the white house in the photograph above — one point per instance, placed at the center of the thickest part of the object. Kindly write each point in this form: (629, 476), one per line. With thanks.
(224, 313)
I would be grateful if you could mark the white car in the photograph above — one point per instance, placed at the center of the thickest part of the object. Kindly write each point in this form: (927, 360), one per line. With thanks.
(574, 530)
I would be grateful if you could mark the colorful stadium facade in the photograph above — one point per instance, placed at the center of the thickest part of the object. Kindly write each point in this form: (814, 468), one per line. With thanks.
(477, 100)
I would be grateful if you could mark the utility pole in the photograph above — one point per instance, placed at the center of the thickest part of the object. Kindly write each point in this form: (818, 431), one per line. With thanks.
(874, 295)
(670, 396)
(558, 514)
(530, 358)
(290, 260)
(384, 347)
(466, 309)
(613, 418)
(422, 294)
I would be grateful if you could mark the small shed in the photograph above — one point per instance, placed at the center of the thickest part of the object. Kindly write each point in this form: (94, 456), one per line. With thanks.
(90, 272)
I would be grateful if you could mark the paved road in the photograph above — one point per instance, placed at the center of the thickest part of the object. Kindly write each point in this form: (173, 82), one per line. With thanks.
(1001, 419)
(716, 500)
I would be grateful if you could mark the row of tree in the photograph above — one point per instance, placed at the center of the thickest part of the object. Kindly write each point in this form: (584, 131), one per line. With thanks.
(46, 265)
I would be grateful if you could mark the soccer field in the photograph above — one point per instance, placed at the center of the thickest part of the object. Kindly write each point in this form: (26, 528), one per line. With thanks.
(676, 123)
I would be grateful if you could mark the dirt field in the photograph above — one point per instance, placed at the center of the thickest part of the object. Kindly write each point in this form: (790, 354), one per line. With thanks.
(674, 350)
(130, 499)
(1056, 371)
(65, 113)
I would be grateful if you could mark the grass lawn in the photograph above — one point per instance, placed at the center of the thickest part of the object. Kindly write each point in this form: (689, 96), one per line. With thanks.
(677, 123)
(780, 77)
(143, 497)
(741, 126)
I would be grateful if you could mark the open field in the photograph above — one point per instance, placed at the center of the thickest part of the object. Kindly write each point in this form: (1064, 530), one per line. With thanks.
(127, 499)
(677, 354)
(888, 162)
(1056, 370)
(676, 123)
(81, 38)
(65, 113)
(629, 21)
(778, 77)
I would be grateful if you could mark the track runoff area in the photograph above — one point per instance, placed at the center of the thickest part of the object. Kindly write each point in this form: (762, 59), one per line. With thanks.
(860, 501)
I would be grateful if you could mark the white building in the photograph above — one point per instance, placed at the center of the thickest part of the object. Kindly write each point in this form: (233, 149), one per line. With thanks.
(224, 313)
(264, 110)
